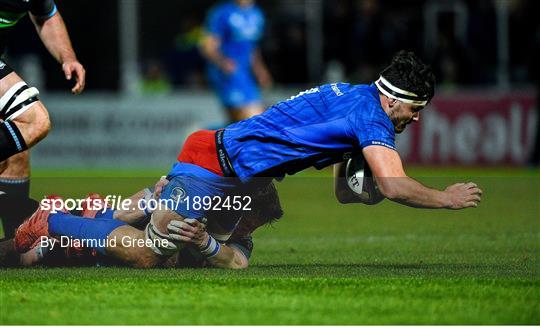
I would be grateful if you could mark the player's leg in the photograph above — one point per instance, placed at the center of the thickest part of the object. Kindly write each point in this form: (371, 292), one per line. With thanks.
(108, 236)
(239, 95)
(11, 214)
(126, 243)
(25, 121)
(15, 178)
(131, 248)
(128, 246)
(245, 112)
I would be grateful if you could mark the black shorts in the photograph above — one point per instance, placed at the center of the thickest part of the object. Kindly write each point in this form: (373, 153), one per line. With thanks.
(5, 70)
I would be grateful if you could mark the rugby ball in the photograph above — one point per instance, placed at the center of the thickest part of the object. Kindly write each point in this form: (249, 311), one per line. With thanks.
(361, 181)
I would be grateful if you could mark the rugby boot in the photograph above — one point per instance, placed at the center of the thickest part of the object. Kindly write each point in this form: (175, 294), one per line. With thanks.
(32, 229)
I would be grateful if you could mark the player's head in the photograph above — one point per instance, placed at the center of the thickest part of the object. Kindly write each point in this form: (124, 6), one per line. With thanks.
(265, 209)
(245, 3)
(407, 85)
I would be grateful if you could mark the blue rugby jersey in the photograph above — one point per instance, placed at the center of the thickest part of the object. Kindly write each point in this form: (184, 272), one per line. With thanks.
(317, 127)
(239, 30)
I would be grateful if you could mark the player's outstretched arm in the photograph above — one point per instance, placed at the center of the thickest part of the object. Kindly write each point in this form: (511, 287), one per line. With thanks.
(54, 35)
(219, 255)
(395, 185)
(141, 208)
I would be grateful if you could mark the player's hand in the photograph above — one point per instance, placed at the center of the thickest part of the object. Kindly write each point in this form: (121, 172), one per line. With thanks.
(160, 185)
(264, 79)
(463, 195)
(72, 68)
(188, 231)
(228, 66)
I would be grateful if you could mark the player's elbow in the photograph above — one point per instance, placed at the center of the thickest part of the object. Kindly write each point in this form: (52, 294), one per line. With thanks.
(239, 262)
(238, 266)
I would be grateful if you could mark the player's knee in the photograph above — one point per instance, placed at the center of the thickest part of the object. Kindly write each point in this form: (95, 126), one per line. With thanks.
(33, 125)
(19, 104)
(40, 125)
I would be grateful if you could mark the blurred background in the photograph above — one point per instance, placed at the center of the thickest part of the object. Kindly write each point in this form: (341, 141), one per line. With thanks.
(147, 89)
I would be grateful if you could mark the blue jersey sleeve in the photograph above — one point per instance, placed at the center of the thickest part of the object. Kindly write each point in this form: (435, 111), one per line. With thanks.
(372, 127)
(43, 9)
(215, 22)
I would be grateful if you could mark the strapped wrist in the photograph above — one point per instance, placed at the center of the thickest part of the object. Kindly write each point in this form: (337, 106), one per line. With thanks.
(210, 247)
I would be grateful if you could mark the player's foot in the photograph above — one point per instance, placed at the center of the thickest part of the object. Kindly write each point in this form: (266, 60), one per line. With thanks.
(34, 256)
(33, 228)
(93, 204)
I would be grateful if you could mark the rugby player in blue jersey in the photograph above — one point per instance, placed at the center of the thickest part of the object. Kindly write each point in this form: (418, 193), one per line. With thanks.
(24, 120)
(235, 64)
(318, 127)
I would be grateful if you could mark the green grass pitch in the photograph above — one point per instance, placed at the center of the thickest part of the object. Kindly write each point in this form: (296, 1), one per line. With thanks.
(324, 263)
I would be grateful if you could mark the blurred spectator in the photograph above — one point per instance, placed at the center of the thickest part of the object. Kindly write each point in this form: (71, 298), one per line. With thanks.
(235, 65)
(360, 34)
(183, 61)
(155, 81)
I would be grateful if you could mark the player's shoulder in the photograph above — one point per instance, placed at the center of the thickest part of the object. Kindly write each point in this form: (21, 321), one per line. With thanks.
(353, 95)
(368, 92)
(367, 97)
(344, 88)
(368, 106)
